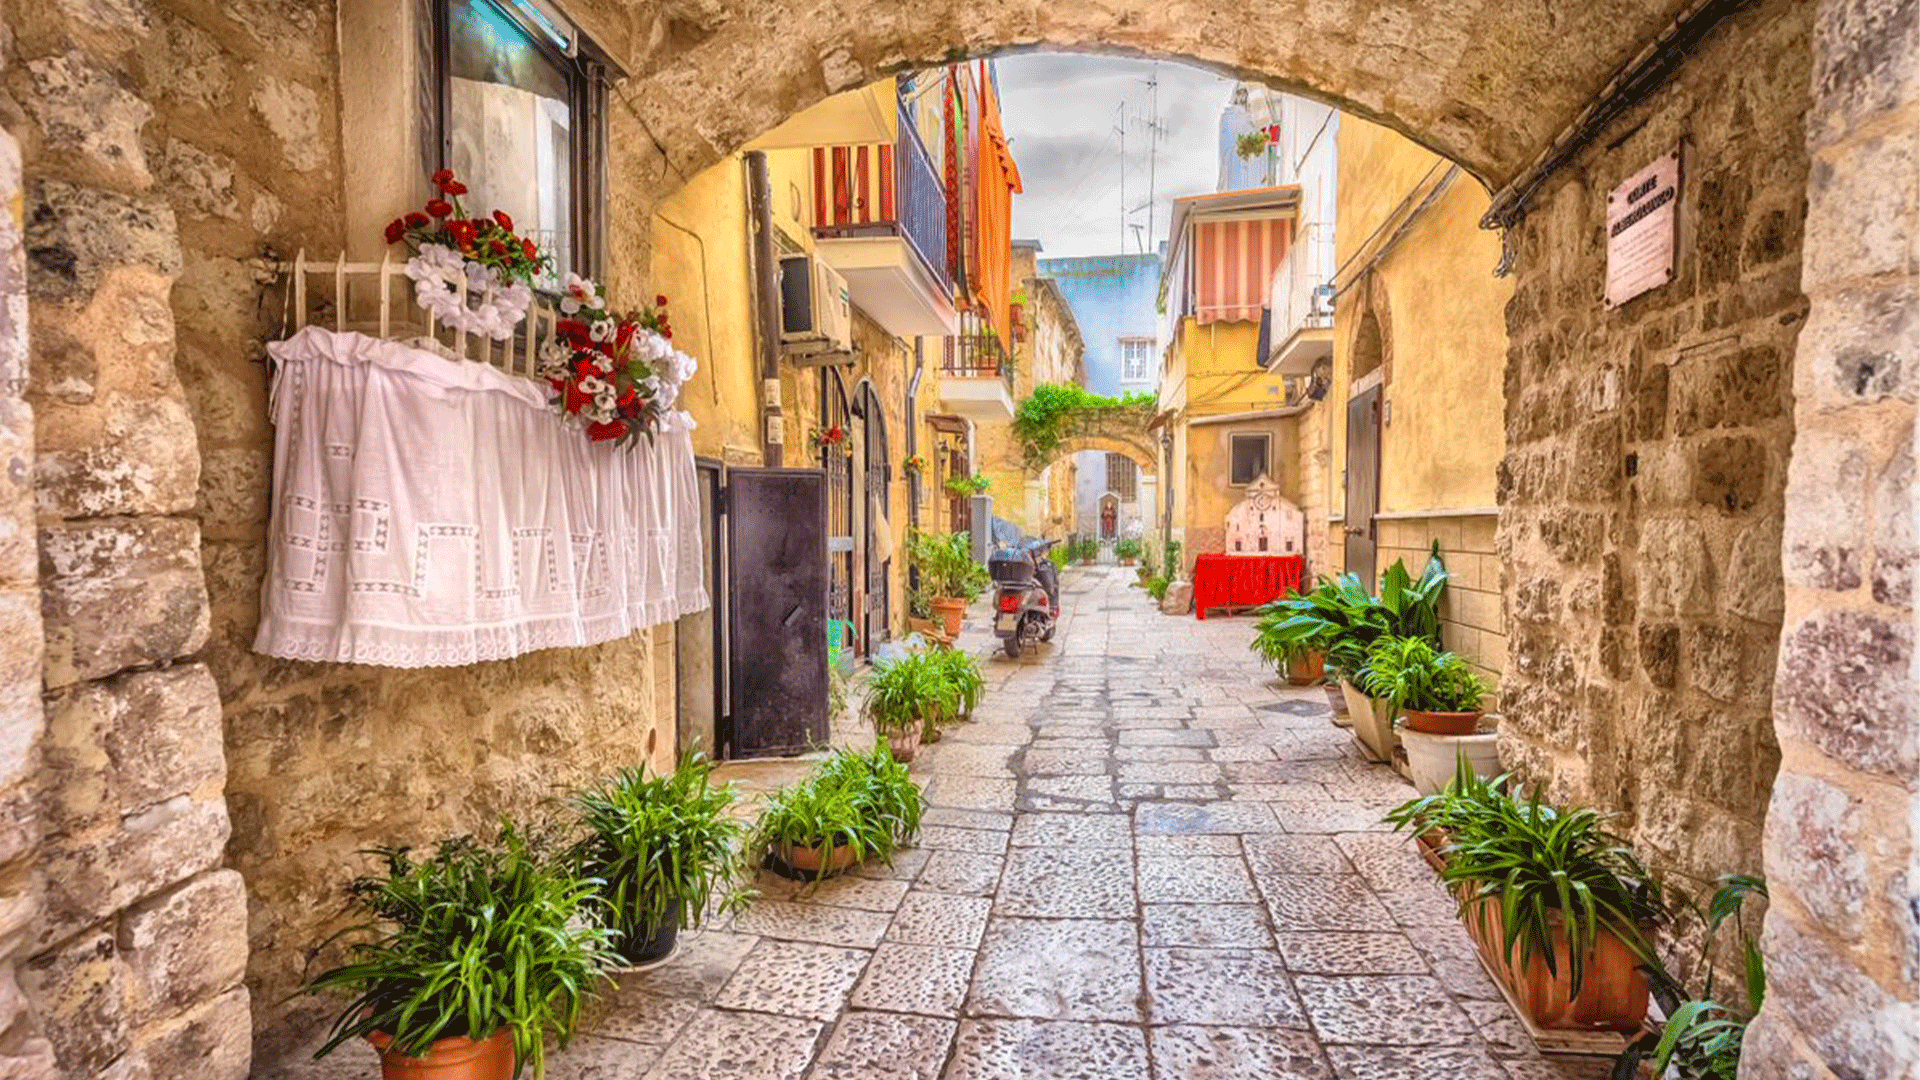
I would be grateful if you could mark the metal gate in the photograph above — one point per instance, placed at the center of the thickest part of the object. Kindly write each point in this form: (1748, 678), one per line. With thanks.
(959, 507)
(836, 460)
(1363, 483)
(776, 611)
(877, 519)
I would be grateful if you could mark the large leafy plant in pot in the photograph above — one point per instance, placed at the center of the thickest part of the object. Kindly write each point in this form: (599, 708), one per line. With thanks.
(665, 851)
(1562, 911)
(906, 698)
(1438, 692)
(852, 807)
(472, 959)
(948, 573)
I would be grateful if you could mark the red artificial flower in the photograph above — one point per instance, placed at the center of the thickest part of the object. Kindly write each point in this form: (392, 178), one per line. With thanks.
(834, 434)
(573, 331)
(574, 399)
(500, 249)
(660, 300)
(454, 187)
(625, 334)
(463, 233)
(505, 221)
(439, 207)
(626, 399)
(442, 178)
(396, 229)
(417, 220)
(532, 251)
(666, 333)
(611, 430)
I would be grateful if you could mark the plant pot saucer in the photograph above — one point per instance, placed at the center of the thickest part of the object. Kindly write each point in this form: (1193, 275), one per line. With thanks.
(634, 969)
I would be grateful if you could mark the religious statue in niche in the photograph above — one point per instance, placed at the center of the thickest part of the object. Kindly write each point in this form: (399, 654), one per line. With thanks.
(1264, 522)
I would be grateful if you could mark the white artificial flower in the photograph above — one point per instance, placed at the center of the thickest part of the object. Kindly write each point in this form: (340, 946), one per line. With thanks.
(592, 385)
(602, 330)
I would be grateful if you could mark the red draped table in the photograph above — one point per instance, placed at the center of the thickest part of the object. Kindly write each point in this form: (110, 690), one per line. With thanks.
(1242, 580)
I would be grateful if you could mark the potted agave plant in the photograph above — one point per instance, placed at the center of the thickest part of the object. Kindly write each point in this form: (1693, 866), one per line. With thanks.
(1439, 695)
(424, 978)
(664, 850)
(851, 808)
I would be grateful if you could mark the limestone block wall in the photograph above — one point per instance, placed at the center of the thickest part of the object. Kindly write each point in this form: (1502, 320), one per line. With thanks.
(1842, 936)
(1642, 490)
(1472, 622)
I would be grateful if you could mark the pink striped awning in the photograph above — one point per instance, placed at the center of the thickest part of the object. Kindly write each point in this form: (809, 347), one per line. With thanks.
(1232, 265)
(852, 186)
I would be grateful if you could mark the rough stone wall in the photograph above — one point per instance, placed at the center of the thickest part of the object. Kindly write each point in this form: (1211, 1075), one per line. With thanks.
(24, 1053)
(1642, 489)
(1842, 936)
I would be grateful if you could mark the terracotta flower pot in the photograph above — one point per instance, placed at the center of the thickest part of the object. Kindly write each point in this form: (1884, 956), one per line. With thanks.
(1126, 562)
(808, 860)
(1442, 723)
(1613, 990)
(904, 744)
(458, 1058)
(952, 612)
(1431, 842)
(1306, 670)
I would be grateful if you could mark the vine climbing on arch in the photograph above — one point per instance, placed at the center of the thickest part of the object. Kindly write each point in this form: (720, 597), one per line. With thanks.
(1055, 413)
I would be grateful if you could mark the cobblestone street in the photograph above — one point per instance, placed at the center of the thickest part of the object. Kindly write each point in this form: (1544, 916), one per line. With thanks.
(1144, 858)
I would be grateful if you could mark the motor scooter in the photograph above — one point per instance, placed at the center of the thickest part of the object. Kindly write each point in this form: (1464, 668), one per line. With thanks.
(1027, 593)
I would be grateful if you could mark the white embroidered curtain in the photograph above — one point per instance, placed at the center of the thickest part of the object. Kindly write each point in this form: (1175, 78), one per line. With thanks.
(430, 512)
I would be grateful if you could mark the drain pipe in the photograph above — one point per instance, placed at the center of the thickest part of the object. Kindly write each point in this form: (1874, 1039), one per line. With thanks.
(766, 295)
(913, 437)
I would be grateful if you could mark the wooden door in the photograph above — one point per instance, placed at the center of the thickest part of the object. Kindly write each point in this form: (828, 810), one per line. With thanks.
(777, 610)
(1363, 484)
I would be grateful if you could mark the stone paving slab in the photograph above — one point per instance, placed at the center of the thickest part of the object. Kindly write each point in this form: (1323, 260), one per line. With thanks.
(1144, 859)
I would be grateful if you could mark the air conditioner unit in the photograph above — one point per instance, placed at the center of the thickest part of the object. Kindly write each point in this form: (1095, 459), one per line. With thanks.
(816, 313)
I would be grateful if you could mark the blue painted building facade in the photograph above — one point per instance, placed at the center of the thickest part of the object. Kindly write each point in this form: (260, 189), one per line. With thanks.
(1113, 297)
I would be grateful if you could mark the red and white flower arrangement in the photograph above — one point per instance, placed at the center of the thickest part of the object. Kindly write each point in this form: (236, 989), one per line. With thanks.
(617, 374)
(450, 250)
(826, 440)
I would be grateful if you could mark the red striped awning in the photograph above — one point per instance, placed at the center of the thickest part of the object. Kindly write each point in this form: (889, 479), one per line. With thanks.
(852, 186)
(1232, 265)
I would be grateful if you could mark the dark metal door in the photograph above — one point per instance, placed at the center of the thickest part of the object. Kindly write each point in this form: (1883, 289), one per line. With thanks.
(879, 517)
(1363, 483)
(777, 610)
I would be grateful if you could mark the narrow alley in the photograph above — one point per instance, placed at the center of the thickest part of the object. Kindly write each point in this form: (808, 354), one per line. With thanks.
(1143, 858)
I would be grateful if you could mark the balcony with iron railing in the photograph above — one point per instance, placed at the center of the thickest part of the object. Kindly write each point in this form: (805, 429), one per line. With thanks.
(976, 372)
(1301, 302)
(880, 219)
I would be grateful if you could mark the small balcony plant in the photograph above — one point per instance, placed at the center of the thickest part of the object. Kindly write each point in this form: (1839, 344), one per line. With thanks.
(665, 851)
(472, 959)
(851, 808)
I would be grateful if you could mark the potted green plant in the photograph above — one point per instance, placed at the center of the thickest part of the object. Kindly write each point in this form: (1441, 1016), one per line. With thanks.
(1561, 910)
(1089, 550)
(472, 959)
(1434, 817)
(851, 808)
(1439, 696)
(906, 698)
(1291, 640)
(949, 575)
(665, 851)
(964, 486)
(1127, 550)
(962, 672)
(1703, 1033)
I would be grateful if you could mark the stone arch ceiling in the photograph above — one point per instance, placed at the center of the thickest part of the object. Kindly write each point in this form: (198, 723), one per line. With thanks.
(1484, 82)
(1136, 450)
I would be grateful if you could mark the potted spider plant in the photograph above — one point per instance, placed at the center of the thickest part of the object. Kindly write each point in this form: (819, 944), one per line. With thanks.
(1703, 1033)
(907, 698)
(852, 807)
(1561, 911)
(949, 574)
(472, 959)
(962, 671)
(1439, 696)
(1127, 550)
(1432, 818)
(664, 850)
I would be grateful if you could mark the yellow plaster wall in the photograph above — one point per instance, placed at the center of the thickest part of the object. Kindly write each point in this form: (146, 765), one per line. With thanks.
(1216, 369)
(1209, 468)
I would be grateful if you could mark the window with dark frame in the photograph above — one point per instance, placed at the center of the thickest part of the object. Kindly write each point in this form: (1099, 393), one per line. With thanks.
(1121, 477)
(1251, 457)
(522, 121)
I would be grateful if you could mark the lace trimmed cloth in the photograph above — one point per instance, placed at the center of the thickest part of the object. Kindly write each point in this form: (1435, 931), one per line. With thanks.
(430, 512)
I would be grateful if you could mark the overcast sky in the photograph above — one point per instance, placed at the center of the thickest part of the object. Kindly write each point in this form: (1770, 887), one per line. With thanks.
(1060, 112)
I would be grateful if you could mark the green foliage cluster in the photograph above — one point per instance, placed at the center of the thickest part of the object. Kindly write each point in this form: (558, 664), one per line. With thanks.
(1061, 554)
(1055, 412)
(475, 938)
(1250, 144)
(976, 484)
(1414, 674)
(1546, 869)
(865, 802)
(946, 565)
(1127, 547)
(1340, 618)
(1083, 547)
(1157, 587)
(922, 689)
(662, 846)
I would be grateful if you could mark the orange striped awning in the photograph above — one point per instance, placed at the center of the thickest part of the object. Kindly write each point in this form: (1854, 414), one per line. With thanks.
(1232, 265)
